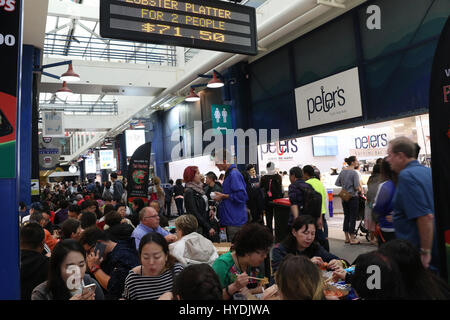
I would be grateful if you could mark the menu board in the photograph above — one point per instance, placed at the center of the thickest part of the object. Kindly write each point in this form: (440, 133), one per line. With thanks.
(211, 25)
(10, 16)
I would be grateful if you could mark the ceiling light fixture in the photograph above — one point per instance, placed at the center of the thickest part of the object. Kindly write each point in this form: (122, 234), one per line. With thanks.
(192, 97)
(139, 125)
(215, 82)
(63, 93)
(70, 75)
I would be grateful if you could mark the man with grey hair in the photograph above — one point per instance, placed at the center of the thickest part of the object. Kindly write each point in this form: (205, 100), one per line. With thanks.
(233, 201)
(413, 201)
(149, 222)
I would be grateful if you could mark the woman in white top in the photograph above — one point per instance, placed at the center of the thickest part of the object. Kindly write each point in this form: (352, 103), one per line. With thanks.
(192, 248)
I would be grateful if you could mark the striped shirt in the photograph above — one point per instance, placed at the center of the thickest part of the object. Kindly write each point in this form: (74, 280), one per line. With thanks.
(138, 287)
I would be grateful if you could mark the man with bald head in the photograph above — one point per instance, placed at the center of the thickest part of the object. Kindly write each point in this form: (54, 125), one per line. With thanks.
(149, 222)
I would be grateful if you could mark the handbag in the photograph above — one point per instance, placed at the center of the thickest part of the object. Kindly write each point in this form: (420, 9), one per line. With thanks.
(345, 195)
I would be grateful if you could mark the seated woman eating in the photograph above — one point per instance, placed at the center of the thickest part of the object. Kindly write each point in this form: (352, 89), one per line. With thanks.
(238, 270)
(301, 242)
(155, 275)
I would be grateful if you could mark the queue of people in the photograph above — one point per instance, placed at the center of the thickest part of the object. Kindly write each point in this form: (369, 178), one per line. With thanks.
(77, 247)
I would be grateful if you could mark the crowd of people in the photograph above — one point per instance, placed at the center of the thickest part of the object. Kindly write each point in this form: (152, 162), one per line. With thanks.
(86, 242)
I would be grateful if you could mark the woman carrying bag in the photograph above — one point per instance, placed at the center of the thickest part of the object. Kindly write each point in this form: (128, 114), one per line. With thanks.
(349, 180)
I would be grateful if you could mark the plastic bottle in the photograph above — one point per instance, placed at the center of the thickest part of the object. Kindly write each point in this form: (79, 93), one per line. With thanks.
(222, 235)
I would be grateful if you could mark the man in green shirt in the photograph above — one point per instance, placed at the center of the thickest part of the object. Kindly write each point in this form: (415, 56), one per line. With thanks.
(322, 227)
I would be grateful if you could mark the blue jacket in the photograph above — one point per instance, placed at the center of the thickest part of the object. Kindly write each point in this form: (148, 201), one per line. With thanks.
(233, 211)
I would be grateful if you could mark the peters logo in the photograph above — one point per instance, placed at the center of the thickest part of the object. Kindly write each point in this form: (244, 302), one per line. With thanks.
(326, 101)
(446, 94)
(8, 5)
(280, 148)
(371, 142)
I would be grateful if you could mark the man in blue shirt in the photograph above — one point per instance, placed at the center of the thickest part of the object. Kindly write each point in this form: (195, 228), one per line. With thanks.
(413, 201)
(149, 222)
(232, 209)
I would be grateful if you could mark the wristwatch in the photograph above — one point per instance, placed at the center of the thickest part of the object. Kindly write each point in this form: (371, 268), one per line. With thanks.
(95, 268)
(425, 251)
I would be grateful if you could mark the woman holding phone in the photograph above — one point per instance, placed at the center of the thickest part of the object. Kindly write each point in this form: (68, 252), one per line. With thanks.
(67, 279)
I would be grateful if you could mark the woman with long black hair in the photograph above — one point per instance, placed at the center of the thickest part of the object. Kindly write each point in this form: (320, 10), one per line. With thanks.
(67, 277)
(178, 194)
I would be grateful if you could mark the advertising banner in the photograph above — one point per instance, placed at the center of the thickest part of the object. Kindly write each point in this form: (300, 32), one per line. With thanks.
(134, 139)
(107, 159)
(9, 53)
(138, 173)
(49, 153)
(34, 187)
(440, 145)
(91, 164)
(329, 100)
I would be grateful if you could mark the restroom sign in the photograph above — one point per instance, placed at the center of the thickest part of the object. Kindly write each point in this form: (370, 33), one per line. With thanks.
(221, 118)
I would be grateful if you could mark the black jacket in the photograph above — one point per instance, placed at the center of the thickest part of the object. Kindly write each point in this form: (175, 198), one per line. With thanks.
(33, 271)
(196, 205)
(119, 232)
(217, 188)
(178, 190)
(118, 190)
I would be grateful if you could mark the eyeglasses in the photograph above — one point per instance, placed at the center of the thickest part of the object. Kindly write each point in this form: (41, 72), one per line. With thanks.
(156, 216)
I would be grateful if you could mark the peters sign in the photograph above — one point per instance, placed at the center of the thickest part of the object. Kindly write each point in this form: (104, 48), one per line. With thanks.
(374, 145)
(329, 100)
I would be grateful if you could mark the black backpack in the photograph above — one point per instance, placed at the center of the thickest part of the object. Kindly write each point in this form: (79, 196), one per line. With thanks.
(312, 202)
(274, 187)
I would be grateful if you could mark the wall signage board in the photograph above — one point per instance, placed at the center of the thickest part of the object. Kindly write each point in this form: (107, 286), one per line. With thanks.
(284, 154)
(221, 118)
(34, 187)
(53, 124)
(10, 14)
(107, 159)
(49, 153)
(332, 99)
(91, 164)
(48, 158)
(210, 25)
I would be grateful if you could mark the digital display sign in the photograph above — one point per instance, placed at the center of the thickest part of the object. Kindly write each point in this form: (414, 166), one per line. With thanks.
(210, 25)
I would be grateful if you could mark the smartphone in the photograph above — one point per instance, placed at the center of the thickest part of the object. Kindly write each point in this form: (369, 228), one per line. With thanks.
(90, 287)
(100, 248)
